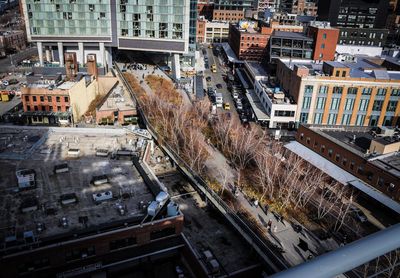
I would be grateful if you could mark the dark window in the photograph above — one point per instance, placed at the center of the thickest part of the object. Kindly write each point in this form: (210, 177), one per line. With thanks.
(308, 140)
(26, 98)
(337, 157)
(360, 170)
(49, 98)
(352, 165)
(50, 108)
(80, 253)
(59, 108)
(58, 99)
(344, 161)
(28, 108)
(343, 73)
(43, 108)
(301, 136)
(121, 243)
(41, 98)
(66, 99)
(337, 73)
(381, 181)
(330, 152)
(322, 148)
(35, 108)
(34, 98)
(162, 233)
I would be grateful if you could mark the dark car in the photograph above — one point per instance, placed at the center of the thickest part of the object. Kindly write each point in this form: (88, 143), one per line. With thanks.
(13, 81)
(208, 78)
(219, 86)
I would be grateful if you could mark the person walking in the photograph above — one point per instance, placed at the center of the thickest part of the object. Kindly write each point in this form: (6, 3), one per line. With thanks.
(266, 208)
(269, 224)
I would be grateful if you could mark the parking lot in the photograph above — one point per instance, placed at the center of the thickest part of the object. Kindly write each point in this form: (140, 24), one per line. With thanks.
(219, 82)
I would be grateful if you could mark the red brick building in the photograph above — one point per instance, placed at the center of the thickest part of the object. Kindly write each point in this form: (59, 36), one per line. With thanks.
(228, 15)
(249, 44)
(325, 41)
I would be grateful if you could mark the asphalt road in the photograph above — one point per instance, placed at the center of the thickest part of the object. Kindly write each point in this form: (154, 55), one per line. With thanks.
(217, 78)
(5, 63)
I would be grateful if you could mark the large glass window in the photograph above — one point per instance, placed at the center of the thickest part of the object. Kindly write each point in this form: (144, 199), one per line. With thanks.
(303, 117)
(318, 118)
(352, 90)
(306, 102)
(332, 118)
(349, 105)
(337, 90)
(377, 105)
(335, 103)
(308, 89)
(346, 119)
(323, 89)
(360, 119)
(395, 92)
(321, 103)
(363, 105)
(391, 107)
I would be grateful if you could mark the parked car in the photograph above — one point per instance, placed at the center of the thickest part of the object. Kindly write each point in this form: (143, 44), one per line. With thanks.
(235, 95)
(227, 106)
(5, 83)
(239, 106)
(208, 78)
(219, 86)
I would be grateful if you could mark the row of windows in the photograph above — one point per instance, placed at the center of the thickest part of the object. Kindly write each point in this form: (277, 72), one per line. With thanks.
(349, 104)
(46, 108)
(347, 163)
(48, 98)
(354, 90)
(360, 119)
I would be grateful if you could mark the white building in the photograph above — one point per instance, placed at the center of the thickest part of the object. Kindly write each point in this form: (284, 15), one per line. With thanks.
(216, 32)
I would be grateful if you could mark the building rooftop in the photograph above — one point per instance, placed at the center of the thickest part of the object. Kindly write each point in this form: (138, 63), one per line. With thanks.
(78, 190)
(276, 94)
(257, 69)
(358, 140)
(362, 67)
(290, 35)
(118, 98)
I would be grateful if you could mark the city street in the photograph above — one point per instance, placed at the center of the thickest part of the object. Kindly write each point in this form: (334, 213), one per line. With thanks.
(7, 66)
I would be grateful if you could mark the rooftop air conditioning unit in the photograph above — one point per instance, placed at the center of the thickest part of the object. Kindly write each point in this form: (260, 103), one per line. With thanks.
(102, 196)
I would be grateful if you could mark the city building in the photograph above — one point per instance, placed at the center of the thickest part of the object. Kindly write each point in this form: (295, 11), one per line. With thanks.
(86, 27)
(248, 41)
(11, 42)
(56, 99)
(369, 154)
(361, 22)
(365, 92)
(317, 43)
(205, 9)
(231, 11)
(91, 215)
(305, 7)
(212, 31)
(264, 5)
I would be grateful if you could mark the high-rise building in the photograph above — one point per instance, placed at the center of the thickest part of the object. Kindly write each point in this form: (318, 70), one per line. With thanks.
(361, 22)
(99, 27)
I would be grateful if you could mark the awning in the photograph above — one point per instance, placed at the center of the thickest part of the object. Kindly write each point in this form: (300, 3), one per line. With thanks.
(199, 87)
(256, 106)
(242, 78)
(230, 54)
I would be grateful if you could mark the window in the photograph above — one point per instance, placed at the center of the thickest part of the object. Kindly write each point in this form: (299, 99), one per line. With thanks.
(322, 148)
(377, 105)
(335, 103)
(349, 104)
(360, 120)
(26, 98)
(363, 105)
(58, 99)
(58, 108)
(34, 98)
(381, 92)
(301, 136)
(303, 117)
(324, 36)
(66, 99)
(337, 74)
(344, 161)
(391, 107)
(395, 92)
(366, 91)
(308, 140)
(162, 233)
(121, 243)
(308, 89)
(337, 90)
(323, 46)
(80, 253)
(49, 98)
(381, 181)
(28, 108)
(41, 98)
(352, 90)
(346, 119)
(91, 7)
(35, 108)
(321, 103)
(323, 89)
(332, 118)
(330, 152)
(318, 118)
(337, 157)
(306, 103)
(102, 15)
(50, 108)
(360, 170)
(352, 164)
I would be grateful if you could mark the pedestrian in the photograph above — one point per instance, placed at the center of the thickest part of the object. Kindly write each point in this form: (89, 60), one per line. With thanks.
(269, 224)
(282, 219)
(275, 229)
(266, 208)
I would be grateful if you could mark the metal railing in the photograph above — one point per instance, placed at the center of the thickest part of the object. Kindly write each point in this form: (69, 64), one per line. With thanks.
(274, 262)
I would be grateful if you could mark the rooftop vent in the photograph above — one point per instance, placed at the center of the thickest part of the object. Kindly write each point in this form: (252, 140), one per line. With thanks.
(67, 199)
(98, 180)
(102, 196)
(385, 131)
(61, 168)
(64, 222)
